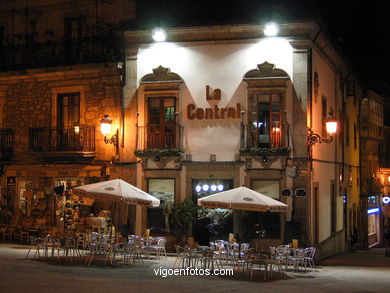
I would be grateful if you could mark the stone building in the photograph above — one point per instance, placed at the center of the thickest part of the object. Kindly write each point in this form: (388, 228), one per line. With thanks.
(61, 71)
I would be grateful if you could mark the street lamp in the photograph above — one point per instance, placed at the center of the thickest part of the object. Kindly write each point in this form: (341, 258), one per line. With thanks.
(331, 128)
(105, 128)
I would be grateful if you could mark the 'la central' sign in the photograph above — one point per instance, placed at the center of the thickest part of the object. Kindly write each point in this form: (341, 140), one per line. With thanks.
(213, 112)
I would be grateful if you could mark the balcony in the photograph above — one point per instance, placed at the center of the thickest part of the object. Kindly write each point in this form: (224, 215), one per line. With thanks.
(6, 142)
(254, 142)
(60, 53)
(159, 140)
(63, 142)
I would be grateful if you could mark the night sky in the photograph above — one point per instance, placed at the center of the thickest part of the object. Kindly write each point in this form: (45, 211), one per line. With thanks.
(362, 31)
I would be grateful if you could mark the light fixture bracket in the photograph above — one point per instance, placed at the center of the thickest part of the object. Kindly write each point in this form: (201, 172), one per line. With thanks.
(313, 138)
(113, 140)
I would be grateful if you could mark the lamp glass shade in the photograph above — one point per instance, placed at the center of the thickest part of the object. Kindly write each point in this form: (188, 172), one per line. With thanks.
(105, 125)
(105, 128)
(331, 126)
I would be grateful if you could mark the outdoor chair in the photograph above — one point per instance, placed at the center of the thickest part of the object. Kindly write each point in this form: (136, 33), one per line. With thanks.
(259, 260)
(9, 233)
(297, 259)
(180, 257)
(160, 247)
(276, 261)
(35, 243)
(309, 258)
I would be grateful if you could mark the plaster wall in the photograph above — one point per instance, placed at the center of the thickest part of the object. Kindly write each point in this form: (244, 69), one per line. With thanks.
(220, 66)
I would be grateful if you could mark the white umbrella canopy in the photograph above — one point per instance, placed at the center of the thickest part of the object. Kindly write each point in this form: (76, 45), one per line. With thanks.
(117, 190)
(242, 198)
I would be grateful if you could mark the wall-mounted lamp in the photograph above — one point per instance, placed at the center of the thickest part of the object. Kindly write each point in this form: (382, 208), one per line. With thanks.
(331, 129)
(105, 128)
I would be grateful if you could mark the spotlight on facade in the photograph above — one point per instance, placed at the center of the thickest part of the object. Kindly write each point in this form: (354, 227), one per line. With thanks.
(205, 187)
(198, 188)
(220, 187)
(159, 35)
(213, 187)
(271, 29)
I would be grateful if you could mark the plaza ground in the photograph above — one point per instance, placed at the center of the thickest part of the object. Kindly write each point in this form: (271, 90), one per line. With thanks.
(361, 272)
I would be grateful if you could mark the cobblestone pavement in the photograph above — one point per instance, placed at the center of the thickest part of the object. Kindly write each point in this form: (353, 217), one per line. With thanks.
(18, 274)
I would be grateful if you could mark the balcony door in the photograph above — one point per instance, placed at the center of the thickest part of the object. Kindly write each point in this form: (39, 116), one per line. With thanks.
(265, 120)
(68, 122)
(161, 128)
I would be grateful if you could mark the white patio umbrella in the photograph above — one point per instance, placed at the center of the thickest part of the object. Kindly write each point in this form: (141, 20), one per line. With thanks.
(117, 190)
(242, 198)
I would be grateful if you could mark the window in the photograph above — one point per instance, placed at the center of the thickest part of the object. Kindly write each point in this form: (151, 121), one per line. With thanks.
(73, 27)
(160, 218)
(161, 128)
(68, 122)
(68, 113)
(267, 187)
(265, 120)
(324, 116)
(347, 131)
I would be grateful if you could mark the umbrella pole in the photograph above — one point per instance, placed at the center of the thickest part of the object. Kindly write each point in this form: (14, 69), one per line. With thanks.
(112, 218)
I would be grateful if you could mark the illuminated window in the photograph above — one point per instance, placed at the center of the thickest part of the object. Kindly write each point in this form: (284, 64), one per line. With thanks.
(265, 120)
(161, 128)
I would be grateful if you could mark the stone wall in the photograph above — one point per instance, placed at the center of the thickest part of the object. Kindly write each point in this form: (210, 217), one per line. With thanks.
(27, 102)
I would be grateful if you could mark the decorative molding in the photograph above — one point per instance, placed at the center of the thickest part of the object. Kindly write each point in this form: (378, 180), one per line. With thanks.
(161, 74)
(266, 71)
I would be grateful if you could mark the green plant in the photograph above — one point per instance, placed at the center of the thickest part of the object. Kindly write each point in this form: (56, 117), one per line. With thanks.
(158, 152)
(184, 216)
(261, 151)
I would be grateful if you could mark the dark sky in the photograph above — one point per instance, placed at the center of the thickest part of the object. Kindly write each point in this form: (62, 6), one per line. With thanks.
(362, 31)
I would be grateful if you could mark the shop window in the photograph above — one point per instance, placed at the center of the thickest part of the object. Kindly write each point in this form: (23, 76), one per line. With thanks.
(267, 187)
(265, 120)
(160, 218)
(161, 127)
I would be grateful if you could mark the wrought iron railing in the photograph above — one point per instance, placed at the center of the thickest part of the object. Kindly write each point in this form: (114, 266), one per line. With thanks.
(6, 140)
(60, 53)
(251, 136)
(156, 136)
(62, 139)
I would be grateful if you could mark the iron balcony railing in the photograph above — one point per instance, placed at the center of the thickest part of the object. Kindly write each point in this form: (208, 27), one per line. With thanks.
(6, 140)
(156, 136)
(60, 53)
(62, 139)
(254, 136)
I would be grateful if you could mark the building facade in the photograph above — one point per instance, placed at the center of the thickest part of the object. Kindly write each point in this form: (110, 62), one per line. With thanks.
(226, 106)
(61, 72)
(371, 123)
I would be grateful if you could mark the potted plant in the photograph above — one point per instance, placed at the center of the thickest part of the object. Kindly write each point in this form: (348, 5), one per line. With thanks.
(184, 215)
